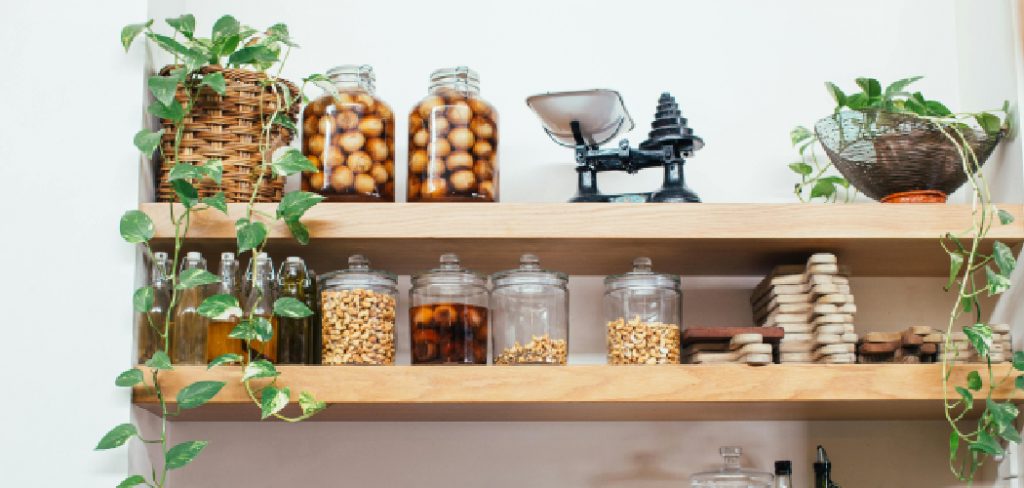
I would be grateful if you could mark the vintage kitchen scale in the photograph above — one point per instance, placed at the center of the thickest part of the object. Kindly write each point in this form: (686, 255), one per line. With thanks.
(585, 120)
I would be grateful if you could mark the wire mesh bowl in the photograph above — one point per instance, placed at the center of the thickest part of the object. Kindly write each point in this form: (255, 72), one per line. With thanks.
(884, 153)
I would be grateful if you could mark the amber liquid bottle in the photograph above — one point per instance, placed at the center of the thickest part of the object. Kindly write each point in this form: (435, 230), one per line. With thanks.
(151, 324)
(259, 302)
(295, 334)
(217, 341)
(188, 335)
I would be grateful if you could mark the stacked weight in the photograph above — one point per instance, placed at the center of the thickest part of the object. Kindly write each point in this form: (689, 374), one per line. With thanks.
(813, 304)
(742, 345)
(962, 351)
(917, 344)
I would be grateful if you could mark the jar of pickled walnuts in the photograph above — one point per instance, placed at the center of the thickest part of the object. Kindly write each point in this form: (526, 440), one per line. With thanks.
(453, 141)
(350, 137)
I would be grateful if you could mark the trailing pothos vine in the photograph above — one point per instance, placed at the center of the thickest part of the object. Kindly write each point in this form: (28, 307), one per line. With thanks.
(234, 45)
(974, 270)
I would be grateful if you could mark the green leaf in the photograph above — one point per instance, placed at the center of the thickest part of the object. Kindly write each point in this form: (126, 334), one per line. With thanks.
(133, 480)
(182, 454)
(857, 101)
(915, 106)
(163, 88)
(967, 396)
(229, 358)
(965, 303)
(187, 194)
(264, 329)
(985, 444)
(117, 437)
(185, 24)
(172, 111)
(1009, 432)
(131, 31)
(198, 393)
(279, 33)
(292, 308)
(1019, 381)
(217, 201)
(184, 171)
(954, 444)
(1018, 360)
(273, 400)
(899, 86)
(974, 380)
(823, 189)
(256, 54)
(160, 361)
(169, 44)
(250, 235)
(870, 86)
(980, 336)
(295, 204)
(224, 46)
(937, 108)
(136, 227)
(996, 283)
(837, 180)
(260, 368)
(290, 162)
(142, 299)
(989, 123)
(219, 306)
(1004, 258)
(128, 378)
(244, 331)
(216, 82)
(298, 230)
(147, 141)
(956, 263)
(1005, 217)
(800, 134)
(836, 93)
(191, 278)
(282, 119)
(224, 27)
(310, 404)
(213, 169)
(801, 168)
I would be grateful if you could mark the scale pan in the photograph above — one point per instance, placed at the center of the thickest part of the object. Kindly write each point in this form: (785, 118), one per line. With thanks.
(600, 112)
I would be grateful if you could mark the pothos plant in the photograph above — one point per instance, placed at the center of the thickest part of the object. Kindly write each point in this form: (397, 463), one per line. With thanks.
(231, 44)
(973, 271)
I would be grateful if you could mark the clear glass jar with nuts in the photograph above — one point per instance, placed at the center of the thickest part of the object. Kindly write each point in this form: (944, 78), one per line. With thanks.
(453, 141)
(350, 137)
(358, 319)
(530, 311)
(642, 310)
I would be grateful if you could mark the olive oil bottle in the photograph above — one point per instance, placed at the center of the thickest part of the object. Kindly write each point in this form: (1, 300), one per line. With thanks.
(188, 334)
(217, 341)
(293, 345)
(150, 326)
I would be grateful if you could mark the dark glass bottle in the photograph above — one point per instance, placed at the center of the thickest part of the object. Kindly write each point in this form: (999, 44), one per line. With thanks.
(313, 302)
(294, 333)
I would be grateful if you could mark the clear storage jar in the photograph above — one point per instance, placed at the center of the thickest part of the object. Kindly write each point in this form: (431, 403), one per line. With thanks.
(453, 141)
(642, 310)
(358, 319)
(530, 315)
(448, 315)
(350, 138)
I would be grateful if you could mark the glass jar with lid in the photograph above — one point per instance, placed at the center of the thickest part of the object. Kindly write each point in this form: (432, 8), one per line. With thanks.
(731, 475)
(530, 314)
(642, 310)
(448, 315)
(453, 141)
(350, 137)
(358, 319)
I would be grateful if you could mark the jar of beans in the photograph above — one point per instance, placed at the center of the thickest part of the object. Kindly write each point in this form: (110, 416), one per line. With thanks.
(350, 136)
(448, 315)
(453, 141)
(358, 319)
(642, 311)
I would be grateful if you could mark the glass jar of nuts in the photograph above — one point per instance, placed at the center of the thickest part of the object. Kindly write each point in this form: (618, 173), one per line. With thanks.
(358, 319)
(350, 137)
(642, 310)
(453, 141)
(448, 315)
(530, 310)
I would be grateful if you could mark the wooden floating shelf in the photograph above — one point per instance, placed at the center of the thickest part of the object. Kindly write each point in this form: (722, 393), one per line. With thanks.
(598, 239)
(586, 393)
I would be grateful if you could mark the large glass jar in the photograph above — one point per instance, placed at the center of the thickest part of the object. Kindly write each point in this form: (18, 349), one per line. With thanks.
(530, 315)
(350, 138)
(453, 141)
(448, 315)
(358, 320)
(731, 474)
(642, 310)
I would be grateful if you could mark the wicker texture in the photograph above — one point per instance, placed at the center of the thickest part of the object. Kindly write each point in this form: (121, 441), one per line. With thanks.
(883, 153)
(228, 128)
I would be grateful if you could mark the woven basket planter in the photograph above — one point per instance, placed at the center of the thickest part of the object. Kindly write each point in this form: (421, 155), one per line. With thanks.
(228, 128)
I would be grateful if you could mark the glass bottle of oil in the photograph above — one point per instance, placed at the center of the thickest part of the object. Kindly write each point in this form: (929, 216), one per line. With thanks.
(295, 333)
(188, 335)
(217, 341)
(150, 326)
(315, 352)
(259, 302)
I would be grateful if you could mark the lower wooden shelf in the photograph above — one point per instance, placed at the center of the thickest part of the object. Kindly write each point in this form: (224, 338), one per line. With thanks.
(585, 393)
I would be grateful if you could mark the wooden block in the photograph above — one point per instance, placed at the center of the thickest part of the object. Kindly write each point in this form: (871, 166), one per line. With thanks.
(757, 359)
(929, 348)
(883, 336)
(724, 334)
(796, 346)
(827, 338)
(833, 318)
(836, 349)
(787, 318)
(706, 346)
(796, 357)
(796, 328)
(839, 359)
(880, 347)
(826, 289)
(712, 357)
(819, 279)
(958, 346)
(848, 307)
(829, 269)
(850, 337)
(1000, 328)
(838, 329)
(753, 349)
(958, 337)
(841, 280)
(910, 339)
(921, 330)
(837, 298)
(798, 338)
(740, 340)
(933, 338)
(822, 258)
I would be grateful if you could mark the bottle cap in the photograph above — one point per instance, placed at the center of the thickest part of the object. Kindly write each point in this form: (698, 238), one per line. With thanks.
(783, 468)
(193, 255)
(227, 256)
(293, 259)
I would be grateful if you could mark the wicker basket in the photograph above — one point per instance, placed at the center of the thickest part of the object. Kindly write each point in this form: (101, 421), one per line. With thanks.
(228, 128)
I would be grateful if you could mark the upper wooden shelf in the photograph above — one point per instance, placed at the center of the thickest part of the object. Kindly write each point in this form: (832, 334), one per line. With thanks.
(597, 239)
(682, 392)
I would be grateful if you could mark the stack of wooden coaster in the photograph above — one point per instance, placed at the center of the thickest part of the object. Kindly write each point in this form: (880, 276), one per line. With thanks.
(812, 303)
(962, 351)
(917, 344)
(745, 345)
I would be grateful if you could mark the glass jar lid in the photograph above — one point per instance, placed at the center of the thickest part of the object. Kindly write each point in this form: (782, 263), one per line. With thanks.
(353, 74)
(459, 77)
(731, 475)
(642, 277)
(529, 272)
(450, 272)
(359, 274)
